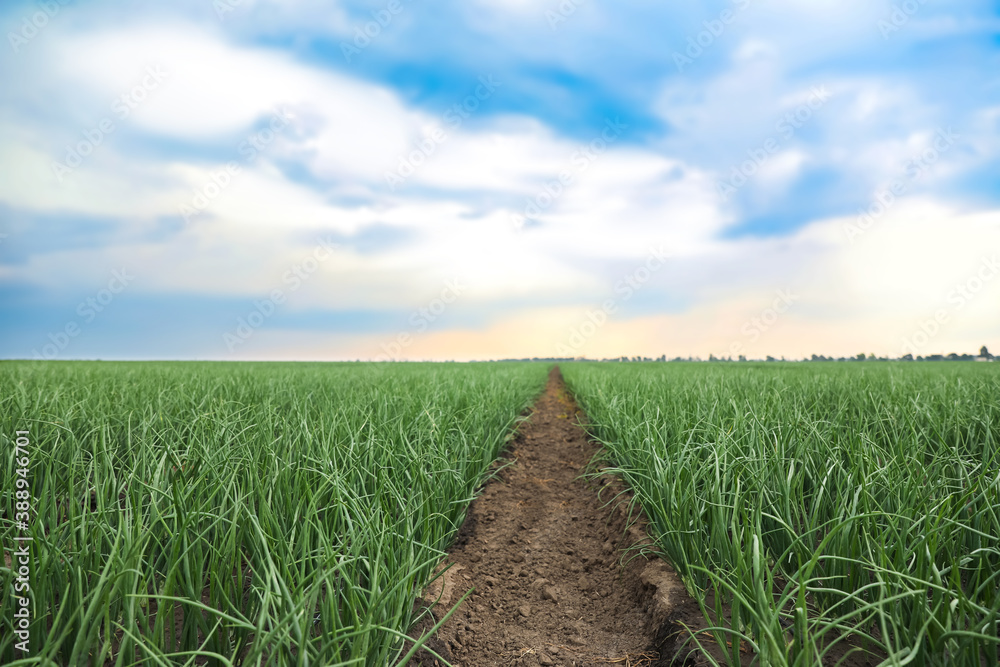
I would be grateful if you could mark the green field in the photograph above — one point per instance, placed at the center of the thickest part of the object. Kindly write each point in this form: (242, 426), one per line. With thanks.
(261, 513)
(819, 499)
(290, 514)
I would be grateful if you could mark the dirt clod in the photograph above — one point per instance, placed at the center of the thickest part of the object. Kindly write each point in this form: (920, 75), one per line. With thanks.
(545, 551)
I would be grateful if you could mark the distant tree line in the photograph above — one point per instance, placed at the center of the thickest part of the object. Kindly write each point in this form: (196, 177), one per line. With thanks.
(984, 355)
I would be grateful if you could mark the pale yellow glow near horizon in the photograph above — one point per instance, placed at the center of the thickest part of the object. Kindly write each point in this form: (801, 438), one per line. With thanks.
(920, 283)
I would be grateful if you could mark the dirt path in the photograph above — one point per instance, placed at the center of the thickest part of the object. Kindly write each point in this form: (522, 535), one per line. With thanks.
(543, 550)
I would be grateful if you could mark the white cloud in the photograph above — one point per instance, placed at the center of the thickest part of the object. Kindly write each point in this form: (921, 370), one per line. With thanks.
(513, 6)
(455, 211)
(214, 90)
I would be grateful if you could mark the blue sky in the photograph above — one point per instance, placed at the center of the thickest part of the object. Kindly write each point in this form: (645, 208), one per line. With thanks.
(496, 178)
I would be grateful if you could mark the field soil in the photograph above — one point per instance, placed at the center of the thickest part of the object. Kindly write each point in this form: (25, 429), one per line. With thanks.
(554, 564)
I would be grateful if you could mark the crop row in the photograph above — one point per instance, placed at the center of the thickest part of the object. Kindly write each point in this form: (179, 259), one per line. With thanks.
(818, 509)
(279, 514)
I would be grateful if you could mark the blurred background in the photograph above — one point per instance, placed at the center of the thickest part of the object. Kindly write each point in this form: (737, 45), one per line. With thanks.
(489, 179)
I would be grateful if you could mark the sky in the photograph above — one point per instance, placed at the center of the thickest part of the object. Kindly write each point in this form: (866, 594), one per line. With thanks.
(484, 179)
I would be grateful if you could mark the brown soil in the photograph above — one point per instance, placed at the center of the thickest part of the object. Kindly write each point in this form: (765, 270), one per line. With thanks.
(546, 554)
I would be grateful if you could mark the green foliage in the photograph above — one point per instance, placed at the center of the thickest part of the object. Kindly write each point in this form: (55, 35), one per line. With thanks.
(279, 514)
(819, 499)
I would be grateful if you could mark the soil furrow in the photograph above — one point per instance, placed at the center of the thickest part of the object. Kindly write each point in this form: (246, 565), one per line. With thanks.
(545, 552)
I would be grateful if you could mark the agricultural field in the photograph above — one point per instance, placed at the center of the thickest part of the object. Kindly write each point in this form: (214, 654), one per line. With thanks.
(816, 510)
(293, 514)
(278, 514)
